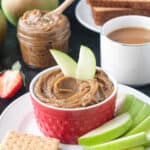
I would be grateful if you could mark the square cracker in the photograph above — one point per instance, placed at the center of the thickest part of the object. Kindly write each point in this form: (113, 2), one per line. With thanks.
(21, 141)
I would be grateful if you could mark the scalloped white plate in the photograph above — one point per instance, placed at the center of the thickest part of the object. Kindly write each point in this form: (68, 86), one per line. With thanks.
(19, 115)
(84, 16)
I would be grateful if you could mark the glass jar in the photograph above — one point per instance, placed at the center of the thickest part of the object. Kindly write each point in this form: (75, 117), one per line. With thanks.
(38, 33)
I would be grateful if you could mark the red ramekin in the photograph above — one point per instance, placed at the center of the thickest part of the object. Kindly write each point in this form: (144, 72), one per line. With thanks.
(67, 124)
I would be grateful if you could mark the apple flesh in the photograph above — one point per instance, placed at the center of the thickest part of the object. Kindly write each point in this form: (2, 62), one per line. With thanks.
(138, 109)
(127, 142)
(66, 63)
(86, 67)
(136, 106)
(13, 9)
(132, 105)
(84, 70)
(148, 143)
(108, 131)
(3, 27)
(127, 104)
(143, 126)
(136, 148)
(141, 115)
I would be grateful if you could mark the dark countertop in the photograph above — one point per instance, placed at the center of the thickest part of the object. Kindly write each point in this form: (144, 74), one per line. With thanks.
(80, 35)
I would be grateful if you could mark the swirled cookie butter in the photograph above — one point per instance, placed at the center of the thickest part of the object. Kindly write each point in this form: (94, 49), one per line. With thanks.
(37, 33)
(53, 88)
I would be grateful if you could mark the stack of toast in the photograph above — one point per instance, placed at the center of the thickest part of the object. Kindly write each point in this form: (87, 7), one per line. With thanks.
(104, 10)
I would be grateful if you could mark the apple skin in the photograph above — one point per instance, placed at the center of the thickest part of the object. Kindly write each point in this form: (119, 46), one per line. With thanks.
(138, 109)
(118, 126)
(67, 64)
(143, 126)
(3, 27)
(142, 114)
(86, 67)
(147, 145)
(135, 107)
(13, 9)
(126, 104)
(136, 148)
(128, 142)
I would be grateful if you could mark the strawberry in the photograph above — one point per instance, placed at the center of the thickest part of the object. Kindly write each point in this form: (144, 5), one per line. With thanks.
(10, 82)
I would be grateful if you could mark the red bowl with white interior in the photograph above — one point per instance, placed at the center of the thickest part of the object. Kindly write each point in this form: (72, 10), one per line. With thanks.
(67, 124)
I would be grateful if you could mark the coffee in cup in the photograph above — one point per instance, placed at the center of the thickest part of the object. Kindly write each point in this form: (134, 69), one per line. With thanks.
(130, 35)
(128, 61)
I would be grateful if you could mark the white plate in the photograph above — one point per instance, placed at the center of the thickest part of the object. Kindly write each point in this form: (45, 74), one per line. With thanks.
(84, 16)
(19, 115)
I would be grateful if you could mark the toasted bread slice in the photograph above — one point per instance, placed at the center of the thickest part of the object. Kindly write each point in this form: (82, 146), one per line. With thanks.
(138, 4)
(88, 1)
(102, 14)
(19, 141)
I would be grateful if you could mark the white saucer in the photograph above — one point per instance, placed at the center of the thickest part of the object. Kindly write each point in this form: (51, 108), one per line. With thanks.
(84, 16)
(19, 115)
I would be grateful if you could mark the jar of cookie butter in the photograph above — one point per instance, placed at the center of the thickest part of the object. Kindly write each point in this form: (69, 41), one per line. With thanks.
(38, 33)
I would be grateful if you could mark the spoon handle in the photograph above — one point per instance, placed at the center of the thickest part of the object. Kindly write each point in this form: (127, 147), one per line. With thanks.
(61, 8)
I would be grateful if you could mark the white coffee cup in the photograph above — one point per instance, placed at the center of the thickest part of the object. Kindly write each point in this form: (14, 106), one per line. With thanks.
(128, 63)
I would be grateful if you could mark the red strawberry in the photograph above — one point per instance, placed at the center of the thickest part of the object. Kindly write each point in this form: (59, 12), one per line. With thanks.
(10, 82)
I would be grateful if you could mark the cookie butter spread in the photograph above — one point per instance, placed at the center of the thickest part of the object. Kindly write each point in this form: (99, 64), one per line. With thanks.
(38, 19)
(58, 90)
(37, 33)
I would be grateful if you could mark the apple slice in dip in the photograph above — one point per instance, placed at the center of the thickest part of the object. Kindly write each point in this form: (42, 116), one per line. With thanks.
(66, 63)
(84, 70)
(86, 67)
(62, 88)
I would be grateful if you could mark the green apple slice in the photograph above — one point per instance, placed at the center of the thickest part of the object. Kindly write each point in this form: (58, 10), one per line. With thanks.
(132, 105)
(67, 64)
(143, 126)
(143, 113)
(86, 67)
(109, 131)
(127, 104)
(127, 142)
(136, 107)
(148, 143)
(136, 148)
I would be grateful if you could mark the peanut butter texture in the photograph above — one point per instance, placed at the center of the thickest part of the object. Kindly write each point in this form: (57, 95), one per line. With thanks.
(53, 88)
(37, 19)
(37, 33)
